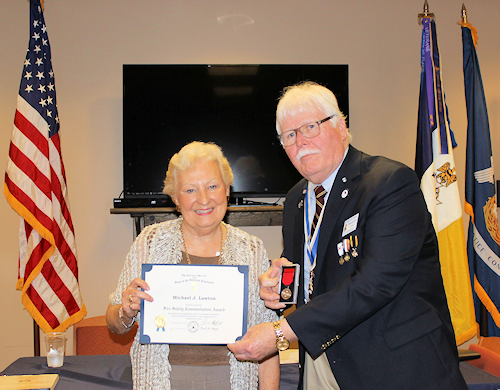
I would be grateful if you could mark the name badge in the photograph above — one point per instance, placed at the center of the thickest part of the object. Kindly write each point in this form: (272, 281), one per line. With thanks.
(350, 225)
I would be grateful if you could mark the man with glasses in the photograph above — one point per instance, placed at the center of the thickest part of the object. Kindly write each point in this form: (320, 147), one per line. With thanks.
(371, 310)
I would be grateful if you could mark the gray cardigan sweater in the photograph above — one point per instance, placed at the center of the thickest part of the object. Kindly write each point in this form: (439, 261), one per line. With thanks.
(161, 244)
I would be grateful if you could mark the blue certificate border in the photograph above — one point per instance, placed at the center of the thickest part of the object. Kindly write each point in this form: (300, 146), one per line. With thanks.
(243, 269)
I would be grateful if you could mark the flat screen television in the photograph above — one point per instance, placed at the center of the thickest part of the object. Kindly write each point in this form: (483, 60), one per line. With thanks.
(167, 106)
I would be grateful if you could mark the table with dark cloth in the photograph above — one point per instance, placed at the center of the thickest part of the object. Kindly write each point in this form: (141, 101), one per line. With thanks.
(82, 372)
(105, 372)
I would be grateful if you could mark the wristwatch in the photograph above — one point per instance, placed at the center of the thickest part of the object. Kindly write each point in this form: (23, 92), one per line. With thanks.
(281, 342)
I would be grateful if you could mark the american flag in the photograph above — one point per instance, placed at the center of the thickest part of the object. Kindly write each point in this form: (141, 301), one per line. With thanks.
(35, 187)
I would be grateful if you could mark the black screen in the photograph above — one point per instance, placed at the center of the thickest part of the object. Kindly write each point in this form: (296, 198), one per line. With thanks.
(167, 106)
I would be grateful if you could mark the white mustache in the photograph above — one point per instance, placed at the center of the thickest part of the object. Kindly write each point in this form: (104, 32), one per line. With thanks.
(306, 152)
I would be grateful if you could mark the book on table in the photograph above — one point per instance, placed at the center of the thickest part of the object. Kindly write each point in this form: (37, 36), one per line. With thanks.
(29, 382)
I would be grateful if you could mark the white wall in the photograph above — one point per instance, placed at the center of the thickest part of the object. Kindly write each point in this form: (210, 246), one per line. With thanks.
(379, 40)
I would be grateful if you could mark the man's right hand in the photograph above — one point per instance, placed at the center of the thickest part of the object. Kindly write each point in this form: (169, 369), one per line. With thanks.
(269, 284)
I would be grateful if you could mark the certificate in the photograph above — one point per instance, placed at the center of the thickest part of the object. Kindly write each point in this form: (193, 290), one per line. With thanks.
(194, 304)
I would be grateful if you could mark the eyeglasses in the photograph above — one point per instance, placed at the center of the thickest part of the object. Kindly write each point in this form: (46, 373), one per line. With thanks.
(309, 130)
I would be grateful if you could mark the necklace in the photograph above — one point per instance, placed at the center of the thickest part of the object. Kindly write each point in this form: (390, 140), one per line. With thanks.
(221, 244)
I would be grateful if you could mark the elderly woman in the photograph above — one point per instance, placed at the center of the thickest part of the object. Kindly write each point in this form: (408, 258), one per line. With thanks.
(198, 180)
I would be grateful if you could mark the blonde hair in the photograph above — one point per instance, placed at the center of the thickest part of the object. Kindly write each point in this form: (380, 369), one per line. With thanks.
(191, 154)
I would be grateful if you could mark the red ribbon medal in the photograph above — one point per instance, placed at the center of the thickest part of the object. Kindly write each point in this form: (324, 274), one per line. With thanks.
(286, 280)
(288, 274)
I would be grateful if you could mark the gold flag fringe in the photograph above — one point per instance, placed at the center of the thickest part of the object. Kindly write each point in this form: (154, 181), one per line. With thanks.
(473, 31)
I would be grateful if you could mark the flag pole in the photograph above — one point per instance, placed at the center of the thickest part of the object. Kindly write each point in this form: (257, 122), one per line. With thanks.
(36, 338)
(36, 327)
(483, 325)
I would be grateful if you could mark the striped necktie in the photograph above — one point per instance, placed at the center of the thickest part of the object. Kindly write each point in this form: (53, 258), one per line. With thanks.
(320, 201)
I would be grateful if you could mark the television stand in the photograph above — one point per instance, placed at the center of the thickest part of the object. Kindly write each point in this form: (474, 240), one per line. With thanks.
(238, 215)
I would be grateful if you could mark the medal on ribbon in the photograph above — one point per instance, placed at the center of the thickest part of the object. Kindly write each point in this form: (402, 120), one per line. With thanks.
(340, 251)
(347, 247)
(286, 280)
(354, 247)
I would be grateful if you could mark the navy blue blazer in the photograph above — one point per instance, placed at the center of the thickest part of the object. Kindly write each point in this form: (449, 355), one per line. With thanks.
(380, 315)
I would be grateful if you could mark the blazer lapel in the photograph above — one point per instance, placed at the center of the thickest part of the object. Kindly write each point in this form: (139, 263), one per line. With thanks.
(342, 187)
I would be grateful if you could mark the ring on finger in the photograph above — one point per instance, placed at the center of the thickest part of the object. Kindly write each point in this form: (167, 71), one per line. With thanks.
(130, 299)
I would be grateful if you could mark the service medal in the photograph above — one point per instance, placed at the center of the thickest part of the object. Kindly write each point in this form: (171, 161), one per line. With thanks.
(340, 248)
(354, 247)
(287, 279)
(286, 294)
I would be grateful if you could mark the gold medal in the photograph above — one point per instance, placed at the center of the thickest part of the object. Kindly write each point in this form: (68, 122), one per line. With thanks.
(287, 278)
(355, 247)
(286, 294)
(347, 257)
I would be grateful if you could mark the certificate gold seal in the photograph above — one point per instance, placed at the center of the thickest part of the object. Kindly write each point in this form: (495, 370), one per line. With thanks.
(286, 294)
(160, 322)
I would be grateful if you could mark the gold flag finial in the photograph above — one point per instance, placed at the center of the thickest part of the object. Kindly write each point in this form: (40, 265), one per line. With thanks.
(464, 14)
(426, 13)
(465, 23)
